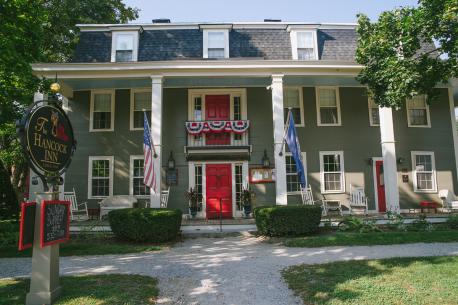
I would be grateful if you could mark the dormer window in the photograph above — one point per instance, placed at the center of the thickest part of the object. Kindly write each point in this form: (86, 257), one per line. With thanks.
(304, 45)
(216, 44)
(124, 46)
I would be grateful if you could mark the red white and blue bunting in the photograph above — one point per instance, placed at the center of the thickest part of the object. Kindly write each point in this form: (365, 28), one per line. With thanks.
(197, 128)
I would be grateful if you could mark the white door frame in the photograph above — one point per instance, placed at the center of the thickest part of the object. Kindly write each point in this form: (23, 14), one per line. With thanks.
(245, 182)
(374, 173)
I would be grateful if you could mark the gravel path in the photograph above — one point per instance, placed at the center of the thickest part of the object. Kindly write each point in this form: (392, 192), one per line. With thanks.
(225, 271)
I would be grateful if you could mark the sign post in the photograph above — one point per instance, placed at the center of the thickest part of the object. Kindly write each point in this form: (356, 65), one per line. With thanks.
(46, 135)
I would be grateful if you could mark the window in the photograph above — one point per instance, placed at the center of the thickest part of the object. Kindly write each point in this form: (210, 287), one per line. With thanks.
(102, 110)
(292, 98)
(424, 172)
(216, 44)
(237, 115)
(418, 112)
(100, 177)
(332, 172)
(328, 106)
(293, 185)
(140, 100)
(136, 186)
(238, 173)
(304, 45)
(124, 46)
(198, 108)
(198, 183)
(374, 118)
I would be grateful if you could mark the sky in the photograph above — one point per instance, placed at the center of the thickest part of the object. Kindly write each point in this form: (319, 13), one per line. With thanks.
(320, 11)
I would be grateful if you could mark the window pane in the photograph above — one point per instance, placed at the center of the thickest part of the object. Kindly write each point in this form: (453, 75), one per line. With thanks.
(198, 109)
(291, 98)
(100, 187)
(215, 53)
(305, 54)
(102, 102)
(101, 120)
(238, 186)
(327, 97)
(142, 100)
(100, 168)
(375, 116)
(216, 40)
(124, 42)
(425, 181)
(332, 181)
(417, 102)
(329, 116)
(423, 163)
(331, 163)
(305, 40)
(123, 55)
(237, 108)
(296, 112)
(418, 117)
(138, 118)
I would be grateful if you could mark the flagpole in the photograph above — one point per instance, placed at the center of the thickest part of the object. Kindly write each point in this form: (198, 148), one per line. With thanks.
(284, 134)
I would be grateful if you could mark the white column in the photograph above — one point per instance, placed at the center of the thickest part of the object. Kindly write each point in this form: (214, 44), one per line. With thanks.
(279, 129)
(454, 131)
(156, 134)
(390, 172)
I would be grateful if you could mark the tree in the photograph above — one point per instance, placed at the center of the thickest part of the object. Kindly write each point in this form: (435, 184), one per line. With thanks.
(392, 50)
(38, 31)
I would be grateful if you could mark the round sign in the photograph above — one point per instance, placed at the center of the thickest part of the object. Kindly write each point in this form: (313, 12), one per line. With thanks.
(49, 138)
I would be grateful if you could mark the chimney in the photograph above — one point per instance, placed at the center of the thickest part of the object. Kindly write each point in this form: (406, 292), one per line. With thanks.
(161, 20)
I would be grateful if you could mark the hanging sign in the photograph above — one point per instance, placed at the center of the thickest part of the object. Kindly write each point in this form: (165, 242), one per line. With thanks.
(27, 225)
(55, 222)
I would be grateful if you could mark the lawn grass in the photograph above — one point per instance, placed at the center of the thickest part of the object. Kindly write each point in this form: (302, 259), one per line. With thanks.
(400, 281)
(372, 238)
(113, 289)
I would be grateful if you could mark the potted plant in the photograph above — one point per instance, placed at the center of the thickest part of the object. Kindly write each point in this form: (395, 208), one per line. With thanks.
(247, 195)
(193, 198)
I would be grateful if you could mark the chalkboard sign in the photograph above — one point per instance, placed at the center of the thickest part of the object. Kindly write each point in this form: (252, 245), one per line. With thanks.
(27, 225)
(172, 177)
(55, 222)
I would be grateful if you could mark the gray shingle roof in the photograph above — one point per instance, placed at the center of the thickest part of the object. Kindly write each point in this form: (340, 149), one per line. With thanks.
(93, 47)
(337, 44)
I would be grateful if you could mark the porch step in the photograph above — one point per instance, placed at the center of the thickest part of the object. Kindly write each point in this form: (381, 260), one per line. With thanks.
(206, 222)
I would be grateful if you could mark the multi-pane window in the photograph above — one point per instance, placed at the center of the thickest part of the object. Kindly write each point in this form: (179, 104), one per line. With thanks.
(238, 186)
(292, 178)
(374, 118)
(328, 106)
(102, 111)
(198, 184)
(100, 176)
(216, 44)
(137, 174)
(141, 102)
(198, 108)
(306, 46)
(237, 114)
(424, 171)
(292, 100)
(417, 112)
(332, 172)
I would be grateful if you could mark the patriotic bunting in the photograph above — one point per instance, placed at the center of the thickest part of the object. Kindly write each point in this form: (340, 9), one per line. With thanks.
(196, 128)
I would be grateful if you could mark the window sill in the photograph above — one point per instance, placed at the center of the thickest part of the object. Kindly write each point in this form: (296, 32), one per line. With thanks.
(329, 125)
(101, 130)
(425, 191)
(419, 126)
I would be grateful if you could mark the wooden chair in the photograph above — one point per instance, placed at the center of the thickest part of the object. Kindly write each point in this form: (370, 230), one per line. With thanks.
(78, 211)
(307, 199)
(165, 197)
(448, 200)
(357, 200)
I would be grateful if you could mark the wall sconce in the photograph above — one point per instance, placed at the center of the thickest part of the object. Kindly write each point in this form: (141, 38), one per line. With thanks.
(171, 161)
(401, 160)
(370, 161)
(265, 160)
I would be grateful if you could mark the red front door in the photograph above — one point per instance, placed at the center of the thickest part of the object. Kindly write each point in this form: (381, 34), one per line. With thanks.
(217, 108)
(218, 187)
(380, 186)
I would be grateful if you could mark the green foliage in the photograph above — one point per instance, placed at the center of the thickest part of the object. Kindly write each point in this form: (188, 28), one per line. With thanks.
(287, 220)
(145, 225)
(355, 224)
(452, 222)
(396, 67)
(395, 221)
(9, 233)
(420, 224)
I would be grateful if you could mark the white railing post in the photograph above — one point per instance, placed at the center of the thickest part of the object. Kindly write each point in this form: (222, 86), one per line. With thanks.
(156, 134)
(279, 126)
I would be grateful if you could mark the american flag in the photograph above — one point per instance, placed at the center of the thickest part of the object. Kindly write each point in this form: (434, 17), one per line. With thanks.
(149, 175)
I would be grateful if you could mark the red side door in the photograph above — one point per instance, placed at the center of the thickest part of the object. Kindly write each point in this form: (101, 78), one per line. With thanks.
(380, 186)
(217, 108)
(218, 186)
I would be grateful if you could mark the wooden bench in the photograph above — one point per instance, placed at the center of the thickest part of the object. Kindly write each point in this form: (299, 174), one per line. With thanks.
(429, 205)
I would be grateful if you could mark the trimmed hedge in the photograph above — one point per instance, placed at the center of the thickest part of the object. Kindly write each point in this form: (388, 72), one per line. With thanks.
(145, 225)
(287, 220)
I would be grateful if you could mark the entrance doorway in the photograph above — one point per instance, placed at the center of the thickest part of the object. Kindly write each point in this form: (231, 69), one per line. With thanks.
(380, 186)
(218, 188)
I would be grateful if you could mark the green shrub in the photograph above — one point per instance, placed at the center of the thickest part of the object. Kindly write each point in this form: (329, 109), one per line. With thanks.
(145, 225)
(452, 222)
(420, 224)
(287, 220)
(355, 224)
(9, 233)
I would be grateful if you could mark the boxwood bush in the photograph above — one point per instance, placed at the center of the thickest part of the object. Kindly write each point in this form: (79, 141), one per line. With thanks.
(287, 220)
(145, 225)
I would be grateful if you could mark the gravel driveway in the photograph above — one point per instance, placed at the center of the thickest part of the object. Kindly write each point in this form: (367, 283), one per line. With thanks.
(223, 271)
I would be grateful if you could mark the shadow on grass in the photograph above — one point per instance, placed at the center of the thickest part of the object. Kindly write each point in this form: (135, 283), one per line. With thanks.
(112, 289)
(389, 281)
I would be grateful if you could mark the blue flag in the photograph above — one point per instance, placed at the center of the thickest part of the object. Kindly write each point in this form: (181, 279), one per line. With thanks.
(295, 148)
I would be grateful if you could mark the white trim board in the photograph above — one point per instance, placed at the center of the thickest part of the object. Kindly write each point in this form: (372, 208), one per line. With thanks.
(342, 172)
(414, 172)
(89, 175)
(91, 109)
(131, 176)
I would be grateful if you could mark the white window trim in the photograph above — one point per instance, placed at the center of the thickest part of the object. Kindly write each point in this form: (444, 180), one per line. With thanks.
(371, 121)
(318, 114)
(414, 171)
(304, 163)
(428, 118)
(89, 181)
(131, 177)
(342, 171)
(226, 40)
(114, 37)
(293, 37)
(301, 104)
(132, 103)
(91, 109)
